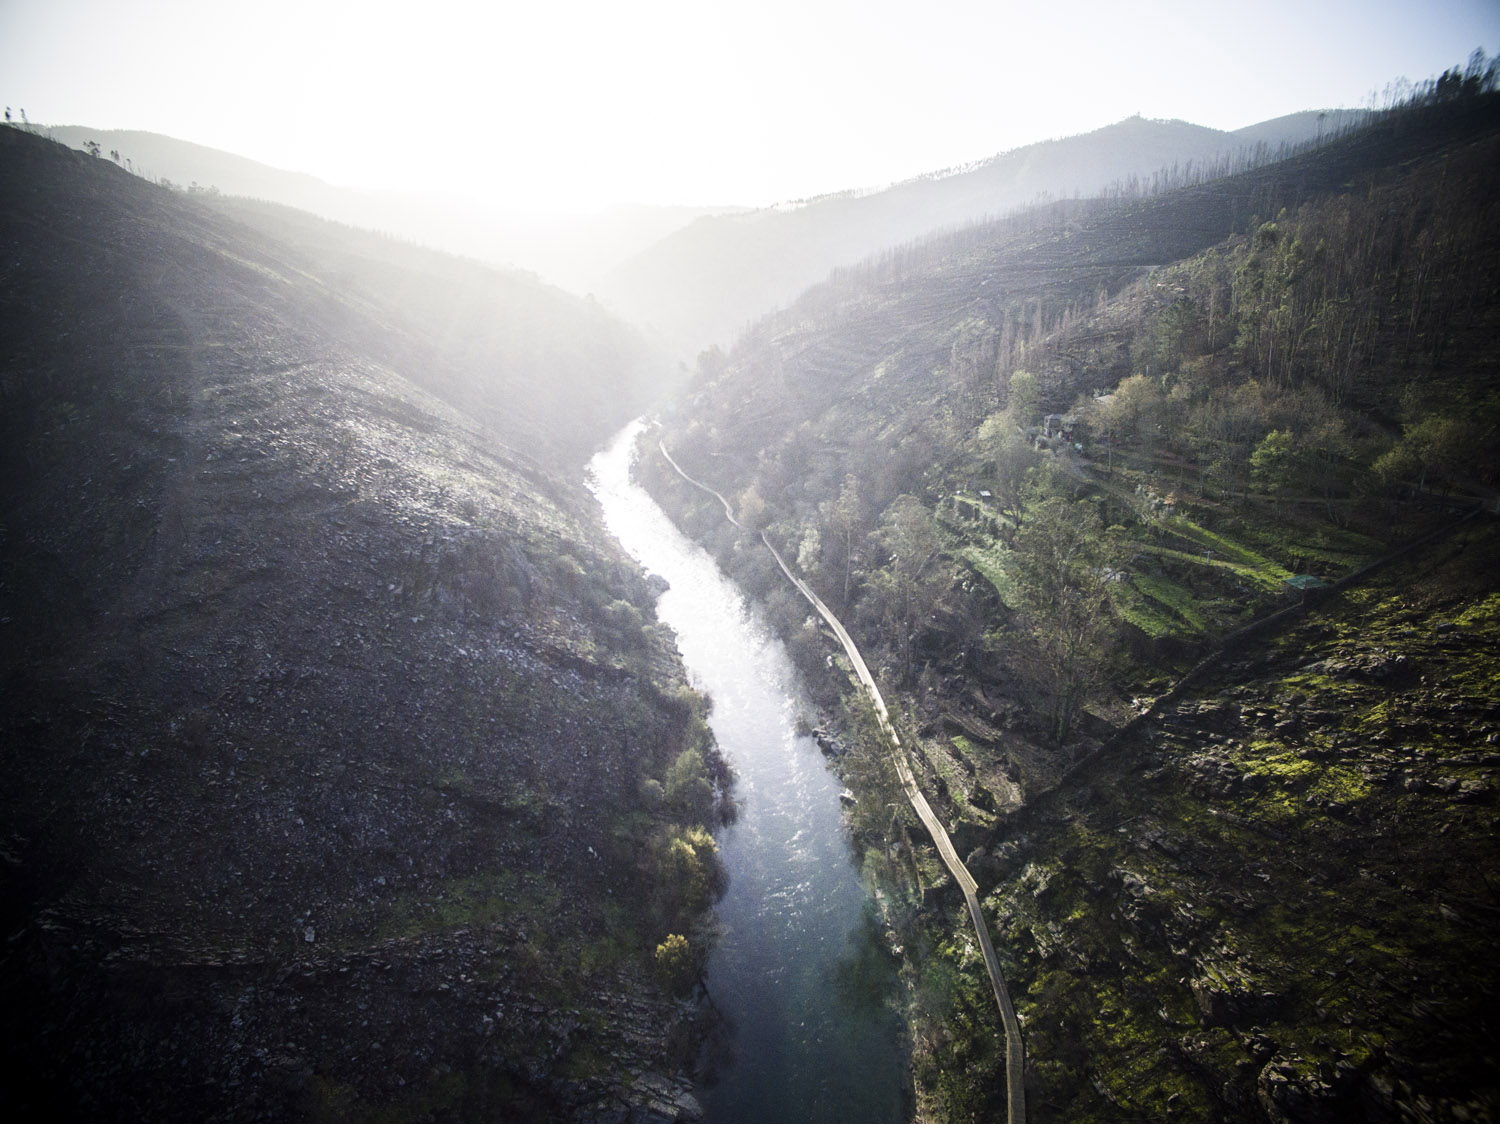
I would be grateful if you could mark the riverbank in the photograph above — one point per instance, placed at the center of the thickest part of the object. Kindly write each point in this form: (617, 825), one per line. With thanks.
(1015, 1053)
(797, 974)
(1247, 909)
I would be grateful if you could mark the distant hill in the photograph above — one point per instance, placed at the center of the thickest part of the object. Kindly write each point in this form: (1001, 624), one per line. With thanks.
(572, 251)
(328, 700)
(707, 281)
(161, 158)
(1298, 128)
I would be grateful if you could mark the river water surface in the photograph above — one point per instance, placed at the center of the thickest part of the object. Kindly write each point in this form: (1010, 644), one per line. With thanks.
(799, 973)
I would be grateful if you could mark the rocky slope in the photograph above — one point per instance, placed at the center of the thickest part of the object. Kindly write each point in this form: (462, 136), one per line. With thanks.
(1274, 900)
(326, 711)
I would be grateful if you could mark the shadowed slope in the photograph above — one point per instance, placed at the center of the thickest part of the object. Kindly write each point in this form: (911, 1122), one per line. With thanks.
(325, 711)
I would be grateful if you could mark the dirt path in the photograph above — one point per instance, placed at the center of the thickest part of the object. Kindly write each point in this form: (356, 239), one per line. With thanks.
(1015, 1049)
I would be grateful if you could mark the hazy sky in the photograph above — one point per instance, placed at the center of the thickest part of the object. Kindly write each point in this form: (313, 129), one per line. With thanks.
(572, 102)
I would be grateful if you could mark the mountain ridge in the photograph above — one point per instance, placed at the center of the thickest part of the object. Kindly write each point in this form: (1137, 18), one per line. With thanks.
(567, 250)
(705, 282)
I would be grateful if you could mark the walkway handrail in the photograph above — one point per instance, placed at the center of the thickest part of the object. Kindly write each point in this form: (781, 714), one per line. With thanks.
(728, 511)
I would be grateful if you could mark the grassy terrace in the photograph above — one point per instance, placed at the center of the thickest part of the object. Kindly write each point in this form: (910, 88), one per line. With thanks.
(1184, 578)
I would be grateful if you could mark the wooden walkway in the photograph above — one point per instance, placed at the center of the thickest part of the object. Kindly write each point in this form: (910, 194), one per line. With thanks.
(1015, 1049)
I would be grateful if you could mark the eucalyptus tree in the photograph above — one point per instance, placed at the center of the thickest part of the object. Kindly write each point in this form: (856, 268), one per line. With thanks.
(1062, 584)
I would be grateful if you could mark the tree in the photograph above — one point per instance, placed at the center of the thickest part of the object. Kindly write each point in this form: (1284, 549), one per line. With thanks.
(1273, 462)
(1023, 399)
(844, 518)
(1012, 456)
(688, 874)
(904, 591)
(1064, 605)
(1326, 456)
(687, 790)
(1142, 407)
(810, 552)
(678, 964)
(1446, 447)
(1106, 420)
(754, 515)
(1175, 328)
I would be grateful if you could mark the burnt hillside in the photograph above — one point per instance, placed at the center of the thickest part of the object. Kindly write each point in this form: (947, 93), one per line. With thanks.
(703, 283)
(325, 708)
(932, 329)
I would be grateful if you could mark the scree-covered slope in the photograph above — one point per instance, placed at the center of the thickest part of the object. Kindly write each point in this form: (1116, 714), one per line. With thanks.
(326, 713)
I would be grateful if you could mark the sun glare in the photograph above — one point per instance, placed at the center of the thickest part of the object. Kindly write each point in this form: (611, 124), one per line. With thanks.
(572, 104)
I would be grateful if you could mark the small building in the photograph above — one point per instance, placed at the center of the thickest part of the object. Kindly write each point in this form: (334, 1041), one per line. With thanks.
(1298, 586)
(1060, 425)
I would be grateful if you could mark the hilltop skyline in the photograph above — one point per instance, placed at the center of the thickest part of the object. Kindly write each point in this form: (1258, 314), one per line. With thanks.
(577, 106)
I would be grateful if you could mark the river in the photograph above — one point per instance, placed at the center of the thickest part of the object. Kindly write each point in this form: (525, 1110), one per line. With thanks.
(799, 974)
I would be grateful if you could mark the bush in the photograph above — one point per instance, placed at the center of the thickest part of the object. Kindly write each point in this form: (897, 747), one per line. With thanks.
(677, 963)
(688, 791)
(687, 874)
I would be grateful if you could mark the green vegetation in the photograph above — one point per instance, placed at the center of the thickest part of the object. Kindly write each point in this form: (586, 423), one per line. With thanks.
(678, 963)
(1271, 872)
(1177, 599)
(1234, 409)
(989, 562)
(1079, 470)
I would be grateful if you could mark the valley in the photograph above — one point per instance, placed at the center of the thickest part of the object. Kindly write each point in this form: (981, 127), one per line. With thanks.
(1039, 663)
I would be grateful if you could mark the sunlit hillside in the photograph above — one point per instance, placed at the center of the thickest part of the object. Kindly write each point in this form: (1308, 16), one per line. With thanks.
(705, 283)
(1098, 489)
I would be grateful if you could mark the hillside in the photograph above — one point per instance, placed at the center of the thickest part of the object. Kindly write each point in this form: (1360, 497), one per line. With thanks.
(569, 250)
(331, 710)
(550, 373)
(1042, 468)
(1271, 901)
(706, 282)
(929, 371)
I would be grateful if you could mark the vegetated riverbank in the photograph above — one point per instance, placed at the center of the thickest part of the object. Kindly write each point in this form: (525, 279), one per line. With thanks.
(907, 879)
(1245, 910)
(1041, 466)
